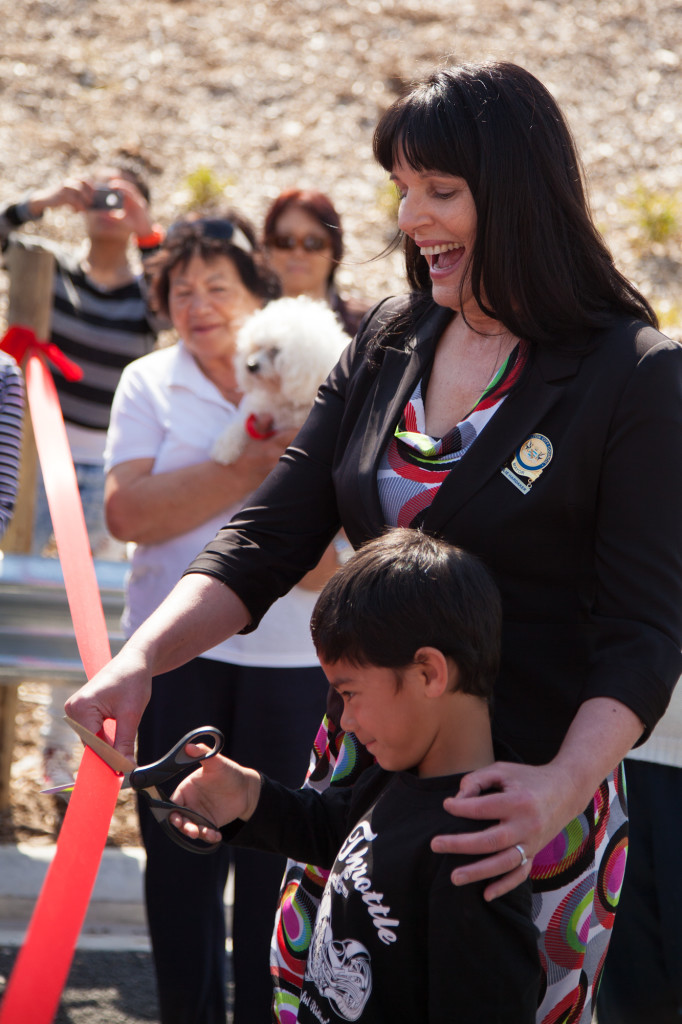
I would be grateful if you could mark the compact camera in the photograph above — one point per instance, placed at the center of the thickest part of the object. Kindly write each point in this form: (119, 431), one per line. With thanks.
(106, 198)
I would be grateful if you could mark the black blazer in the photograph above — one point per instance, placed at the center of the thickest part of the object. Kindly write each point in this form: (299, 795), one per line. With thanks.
(588, 560)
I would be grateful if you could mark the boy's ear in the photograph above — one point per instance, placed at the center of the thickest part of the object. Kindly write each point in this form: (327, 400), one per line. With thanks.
(436, 670)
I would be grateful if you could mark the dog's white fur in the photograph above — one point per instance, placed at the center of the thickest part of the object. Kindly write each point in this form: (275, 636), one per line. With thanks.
(283, 353)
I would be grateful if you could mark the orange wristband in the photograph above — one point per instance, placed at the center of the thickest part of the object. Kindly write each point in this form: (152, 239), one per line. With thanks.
(153, 239)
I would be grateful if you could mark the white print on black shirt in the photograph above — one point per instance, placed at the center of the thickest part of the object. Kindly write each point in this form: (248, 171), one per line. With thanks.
(341, 969)
(355, 871)
(307, 1000)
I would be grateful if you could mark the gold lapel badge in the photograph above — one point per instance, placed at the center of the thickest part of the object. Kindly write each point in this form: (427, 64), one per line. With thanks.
(529, 460)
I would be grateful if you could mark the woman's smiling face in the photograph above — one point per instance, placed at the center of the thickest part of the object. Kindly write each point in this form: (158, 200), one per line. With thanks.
(208, 303)
(438, 212)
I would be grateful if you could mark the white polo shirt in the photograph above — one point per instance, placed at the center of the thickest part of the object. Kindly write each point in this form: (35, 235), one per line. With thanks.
(166, 409)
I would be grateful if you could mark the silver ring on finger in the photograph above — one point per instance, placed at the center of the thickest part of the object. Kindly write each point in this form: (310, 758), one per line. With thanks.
(524, 859)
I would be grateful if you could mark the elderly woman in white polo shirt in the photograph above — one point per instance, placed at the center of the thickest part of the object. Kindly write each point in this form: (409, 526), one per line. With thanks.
(265, 690)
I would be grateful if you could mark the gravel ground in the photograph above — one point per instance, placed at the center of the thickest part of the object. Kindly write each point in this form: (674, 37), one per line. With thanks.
(102, 988)
(31, 816)
(277, 93)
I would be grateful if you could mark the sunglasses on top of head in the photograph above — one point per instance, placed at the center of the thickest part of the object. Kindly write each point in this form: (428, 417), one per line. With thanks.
(309, 243)
(218, 228)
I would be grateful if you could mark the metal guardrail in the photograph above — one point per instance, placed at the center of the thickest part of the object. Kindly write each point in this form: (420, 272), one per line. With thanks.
(37, 640)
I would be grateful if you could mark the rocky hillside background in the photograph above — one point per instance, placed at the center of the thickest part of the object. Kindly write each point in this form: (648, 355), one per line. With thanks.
(258, 95)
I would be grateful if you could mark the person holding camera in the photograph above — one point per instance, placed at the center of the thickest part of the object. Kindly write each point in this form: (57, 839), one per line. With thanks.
(101, 321)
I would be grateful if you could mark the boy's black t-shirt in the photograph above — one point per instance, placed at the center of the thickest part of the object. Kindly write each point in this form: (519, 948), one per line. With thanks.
(394, 939)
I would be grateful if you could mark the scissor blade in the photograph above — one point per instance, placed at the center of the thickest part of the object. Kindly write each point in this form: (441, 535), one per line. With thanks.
(67, 787)
(112, 757)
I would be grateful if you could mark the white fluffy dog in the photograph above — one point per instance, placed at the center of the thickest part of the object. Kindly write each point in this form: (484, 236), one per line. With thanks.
(283, 353)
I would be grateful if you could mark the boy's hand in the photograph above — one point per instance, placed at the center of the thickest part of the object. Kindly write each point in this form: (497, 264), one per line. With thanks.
(220, 790)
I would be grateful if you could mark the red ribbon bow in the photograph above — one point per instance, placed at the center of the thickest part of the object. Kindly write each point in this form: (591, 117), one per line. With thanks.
(20, 341)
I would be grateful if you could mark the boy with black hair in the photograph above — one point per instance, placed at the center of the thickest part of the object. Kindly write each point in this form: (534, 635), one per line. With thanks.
(407, 632)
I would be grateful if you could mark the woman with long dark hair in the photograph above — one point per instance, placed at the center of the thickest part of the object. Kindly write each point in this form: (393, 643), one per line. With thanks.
(521, 403)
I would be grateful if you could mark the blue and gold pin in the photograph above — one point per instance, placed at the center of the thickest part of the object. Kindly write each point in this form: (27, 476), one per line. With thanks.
(528, 462)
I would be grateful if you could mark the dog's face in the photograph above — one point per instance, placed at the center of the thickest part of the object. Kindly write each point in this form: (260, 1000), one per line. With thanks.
(288, 348)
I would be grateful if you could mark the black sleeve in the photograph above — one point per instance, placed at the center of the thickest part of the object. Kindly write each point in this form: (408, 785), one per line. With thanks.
(303, 824)
(13, 216)
(482, 957)
(638, 542)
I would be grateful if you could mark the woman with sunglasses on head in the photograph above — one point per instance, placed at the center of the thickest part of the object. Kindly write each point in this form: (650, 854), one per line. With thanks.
(303, 242)
(265, 691)
(520, 402)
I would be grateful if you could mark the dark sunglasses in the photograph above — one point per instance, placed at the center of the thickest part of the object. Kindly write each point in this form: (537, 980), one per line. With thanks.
(309, 243)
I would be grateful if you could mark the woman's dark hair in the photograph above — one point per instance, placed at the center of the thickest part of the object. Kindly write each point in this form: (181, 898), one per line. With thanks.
(538, 265)
(209, 237)
(316, 205)
(129, 172)
(135, 178)
(406, 590)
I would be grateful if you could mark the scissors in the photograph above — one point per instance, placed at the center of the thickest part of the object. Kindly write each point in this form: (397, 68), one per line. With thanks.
(145, 778)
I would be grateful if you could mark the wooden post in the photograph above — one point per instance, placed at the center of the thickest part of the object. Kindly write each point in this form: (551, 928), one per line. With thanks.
(31, 271)
(9, 698)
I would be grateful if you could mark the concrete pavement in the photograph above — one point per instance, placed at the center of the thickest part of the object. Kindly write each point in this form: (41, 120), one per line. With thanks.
(111, 980)
(103, 987)
(115, 918)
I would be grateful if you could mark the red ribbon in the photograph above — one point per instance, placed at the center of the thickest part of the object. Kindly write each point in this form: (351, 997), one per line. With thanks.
(43, 963)
(21, 341)
(253, 431)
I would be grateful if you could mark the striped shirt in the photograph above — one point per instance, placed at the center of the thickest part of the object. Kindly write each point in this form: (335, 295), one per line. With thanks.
(99, 329)
(11, 416)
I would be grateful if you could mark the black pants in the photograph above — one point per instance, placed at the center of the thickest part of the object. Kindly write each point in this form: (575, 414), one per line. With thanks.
(642, 980)
(269, 718)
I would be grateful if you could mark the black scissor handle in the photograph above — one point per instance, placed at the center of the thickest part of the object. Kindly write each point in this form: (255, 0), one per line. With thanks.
(168, 766)
(162, 810)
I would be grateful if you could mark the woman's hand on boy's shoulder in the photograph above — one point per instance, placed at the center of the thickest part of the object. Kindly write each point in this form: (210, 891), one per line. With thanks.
(525, 805)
